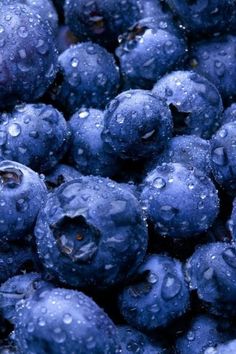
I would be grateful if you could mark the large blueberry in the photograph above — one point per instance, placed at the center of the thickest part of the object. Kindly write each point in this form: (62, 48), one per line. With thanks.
(88, 77)
(87, 147)
(35, 135)
(157, 295)
(179, 200)
(91, 232)
(195, 103)
(211, 271)
(202, 17)
(137, 124)
(101, 20)
(28, 58)
(60, 321)
(215, 59)
(17, 289)
(148, 51)
(22, 194)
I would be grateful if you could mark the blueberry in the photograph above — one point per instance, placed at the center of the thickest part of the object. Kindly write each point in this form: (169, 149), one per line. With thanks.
(88, 76)
(28, 56)
(101, 20)
(87, 148)
(59, 175)
(133, 341)
(148, 51)
(229, 114)
(35, 135)
(62, 321)
(205, 17)
(223, 156)
(17, 289)
(44, 8)
(195, 103)
(22, 194)
(136, 124)
(212, 273)
(91, 232)
(179, 201)
(157, 296)
(188, 150)
(215, 59)
(203, 332)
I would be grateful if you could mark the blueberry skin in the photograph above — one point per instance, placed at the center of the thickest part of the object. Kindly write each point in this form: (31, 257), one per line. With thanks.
(133, 341)
(195, 103)
(44, 8)
(171, 214)
(94, 227)
(137, 124)
(88, 77)
(147, 52)
(229, 114)
(17, 289)
(211, 271)
(101, 20)
(59, 175)
(28, 55)
(215, 59)
(87, 148)
(204, 331)
(22, 194)
(205, 17)
(157, 296)
(13, 260)
(223, 157)
(232, 221)
(35, 135)
(188, 150)
(62, 321)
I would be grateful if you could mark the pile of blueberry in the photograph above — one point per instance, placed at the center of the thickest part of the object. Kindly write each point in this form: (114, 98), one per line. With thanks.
(117, 176)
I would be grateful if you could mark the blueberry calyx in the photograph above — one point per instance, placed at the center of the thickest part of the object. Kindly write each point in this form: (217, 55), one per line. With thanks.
(76, 238)
(11, 177)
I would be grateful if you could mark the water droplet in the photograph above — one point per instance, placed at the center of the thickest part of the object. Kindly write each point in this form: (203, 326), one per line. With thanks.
(14, 129)
(67, 318)
(229, 256)
(152, 278)
(171, 287)
(208, 274)
(219, 156)
(22, 31)
(74, 62)
(191, 335)
(159, 183)
(83, 114)
(168, 212)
